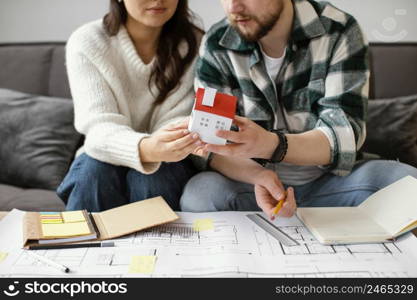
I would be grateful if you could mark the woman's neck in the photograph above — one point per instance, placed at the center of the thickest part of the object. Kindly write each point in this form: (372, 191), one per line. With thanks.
(144, 38)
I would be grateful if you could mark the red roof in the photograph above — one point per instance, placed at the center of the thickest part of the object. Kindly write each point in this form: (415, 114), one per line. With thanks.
(224, 105)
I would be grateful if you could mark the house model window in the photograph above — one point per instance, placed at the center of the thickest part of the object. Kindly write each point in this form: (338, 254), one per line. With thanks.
(212, 111)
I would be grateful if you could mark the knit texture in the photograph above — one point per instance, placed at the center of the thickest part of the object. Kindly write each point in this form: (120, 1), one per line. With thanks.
(113, 104)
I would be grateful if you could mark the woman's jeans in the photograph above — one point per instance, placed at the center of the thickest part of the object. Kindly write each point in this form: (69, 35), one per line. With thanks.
(96, 186)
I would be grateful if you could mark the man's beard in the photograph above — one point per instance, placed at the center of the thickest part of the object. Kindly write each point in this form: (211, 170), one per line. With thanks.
(263, 26)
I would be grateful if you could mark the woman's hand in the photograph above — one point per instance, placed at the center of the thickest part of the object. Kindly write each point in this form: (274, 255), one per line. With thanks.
(170, 143)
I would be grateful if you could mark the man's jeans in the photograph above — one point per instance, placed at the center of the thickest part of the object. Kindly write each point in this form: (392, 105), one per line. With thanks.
(211, 191)
(95, 186)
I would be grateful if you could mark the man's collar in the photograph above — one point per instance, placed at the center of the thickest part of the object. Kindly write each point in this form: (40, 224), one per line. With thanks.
(306, 26)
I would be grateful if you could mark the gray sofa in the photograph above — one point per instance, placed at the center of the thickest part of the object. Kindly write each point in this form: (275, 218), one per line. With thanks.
(39, 69)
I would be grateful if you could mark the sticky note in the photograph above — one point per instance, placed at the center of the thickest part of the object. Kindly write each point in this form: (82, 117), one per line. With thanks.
(50, 213)
(142, 264)
(73, 216)
(65, 229)
(51, 221)
(203, 224)
(3, 256)
(51, 218)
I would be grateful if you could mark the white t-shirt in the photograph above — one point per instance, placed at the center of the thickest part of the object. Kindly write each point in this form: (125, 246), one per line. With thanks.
(273, 65)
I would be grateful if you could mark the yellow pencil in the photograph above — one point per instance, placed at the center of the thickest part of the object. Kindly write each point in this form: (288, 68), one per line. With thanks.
(280, 203)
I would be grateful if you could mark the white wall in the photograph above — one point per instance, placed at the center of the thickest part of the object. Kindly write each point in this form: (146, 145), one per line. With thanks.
(54, 20)
(382, 20)
(46, 20)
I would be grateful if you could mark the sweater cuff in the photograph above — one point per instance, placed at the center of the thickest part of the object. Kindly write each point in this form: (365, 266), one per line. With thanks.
(125, 146)
(147, 167)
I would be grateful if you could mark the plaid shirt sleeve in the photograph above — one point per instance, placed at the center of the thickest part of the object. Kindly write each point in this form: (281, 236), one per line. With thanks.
(342, 110)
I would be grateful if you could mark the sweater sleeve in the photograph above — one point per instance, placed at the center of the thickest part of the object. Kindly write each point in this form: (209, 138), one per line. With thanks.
(109, 136)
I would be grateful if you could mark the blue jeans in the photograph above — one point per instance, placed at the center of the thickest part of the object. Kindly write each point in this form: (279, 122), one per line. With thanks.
(96, 186)
(211, 191)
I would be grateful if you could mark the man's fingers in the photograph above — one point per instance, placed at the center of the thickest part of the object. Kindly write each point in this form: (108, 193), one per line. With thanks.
(226, 150)
(275, 188)
(233, 136)
(279, 183)
(264, 200)
(240, 121)
(290, 204)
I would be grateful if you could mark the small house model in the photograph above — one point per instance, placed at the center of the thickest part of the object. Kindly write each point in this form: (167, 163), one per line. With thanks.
(212, 111)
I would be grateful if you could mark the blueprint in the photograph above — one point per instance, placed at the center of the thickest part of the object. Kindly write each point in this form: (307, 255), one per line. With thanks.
(233, 247)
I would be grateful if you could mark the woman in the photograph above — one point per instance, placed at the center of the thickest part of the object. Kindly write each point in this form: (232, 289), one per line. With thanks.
(131, 78)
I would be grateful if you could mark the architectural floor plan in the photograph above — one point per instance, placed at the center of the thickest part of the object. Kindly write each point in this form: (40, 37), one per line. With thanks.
(234, 246)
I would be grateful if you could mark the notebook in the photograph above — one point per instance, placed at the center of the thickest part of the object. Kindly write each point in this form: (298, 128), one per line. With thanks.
(55, 228)
(385, 215)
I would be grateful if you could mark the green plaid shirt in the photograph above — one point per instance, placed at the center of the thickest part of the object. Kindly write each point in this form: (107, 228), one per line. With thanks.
(323, 83)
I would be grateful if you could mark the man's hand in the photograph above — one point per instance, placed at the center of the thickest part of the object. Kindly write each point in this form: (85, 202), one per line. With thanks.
(251, 141)
(269, 190)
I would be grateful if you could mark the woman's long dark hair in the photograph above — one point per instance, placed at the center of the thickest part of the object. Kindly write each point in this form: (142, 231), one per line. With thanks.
(170, 65)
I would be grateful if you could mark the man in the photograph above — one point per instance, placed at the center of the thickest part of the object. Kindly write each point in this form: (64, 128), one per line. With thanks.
(300, 71)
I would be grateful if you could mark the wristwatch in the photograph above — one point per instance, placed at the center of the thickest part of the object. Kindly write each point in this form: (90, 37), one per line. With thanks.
(280, 151)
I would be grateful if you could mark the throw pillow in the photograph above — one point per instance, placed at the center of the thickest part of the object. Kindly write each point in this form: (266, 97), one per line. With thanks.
(38, 139)
(392, 129)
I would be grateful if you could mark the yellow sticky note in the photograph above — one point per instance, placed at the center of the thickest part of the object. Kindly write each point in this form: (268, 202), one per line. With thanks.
(203, 224)
(51, 221)
(3, 256)
(73, 216)
(65, 229)
(142, 264)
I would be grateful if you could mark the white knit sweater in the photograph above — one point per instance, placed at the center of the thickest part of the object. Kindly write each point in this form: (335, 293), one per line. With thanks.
(113, 105)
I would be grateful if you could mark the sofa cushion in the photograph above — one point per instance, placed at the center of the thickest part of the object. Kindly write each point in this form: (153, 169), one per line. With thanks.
(29, 200)
(393, 70)
(25, 68)
(392, 129)
(58, 79)
(38, 139)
